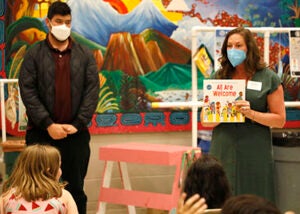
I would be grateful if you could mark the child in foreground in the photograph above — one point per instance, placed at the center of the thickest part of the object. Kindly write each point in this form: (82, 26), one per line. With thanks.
(205, 188)
(34, 186)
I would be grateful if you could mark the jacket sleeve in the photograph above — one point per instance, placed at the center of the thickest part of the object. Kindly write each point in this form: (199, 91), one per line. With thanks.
(90, 94)
(28, 84)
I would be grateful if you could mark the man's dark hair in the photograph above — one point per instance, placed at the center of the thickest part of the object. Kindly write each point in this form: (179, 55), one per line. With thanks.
(58, 8)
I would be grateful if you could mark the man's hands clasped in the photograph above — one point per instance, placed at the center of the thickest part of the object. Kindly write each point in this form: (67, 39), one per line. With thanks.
(60, 131)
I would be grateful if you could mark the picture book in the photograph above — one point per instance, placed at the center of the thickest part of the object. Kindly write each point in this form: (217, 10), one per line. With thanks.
(204, 61)
(219, 98)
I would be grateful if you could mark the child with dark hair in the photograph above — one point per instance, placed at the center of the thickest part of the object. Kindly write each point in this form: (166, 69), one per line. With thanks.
(205, 187)
(249, 204)
(207, 178)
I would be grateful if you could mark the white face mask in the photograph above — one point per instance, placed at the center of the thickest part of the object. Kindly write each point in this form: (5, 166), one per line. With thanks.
(61, 32)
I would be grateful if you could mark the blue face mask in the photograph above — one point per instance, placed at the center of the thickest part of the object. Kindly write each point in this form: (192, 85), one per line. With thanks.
(236, 56)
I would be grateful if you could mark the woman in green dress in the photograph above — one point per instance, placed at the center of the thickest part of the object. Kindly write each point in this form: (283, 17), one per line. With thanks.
(245, 149)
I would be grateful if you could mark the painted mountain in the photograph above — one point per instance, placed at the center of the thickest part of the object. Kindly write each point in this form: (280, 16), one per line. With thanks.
(101, 20)
(138, 54)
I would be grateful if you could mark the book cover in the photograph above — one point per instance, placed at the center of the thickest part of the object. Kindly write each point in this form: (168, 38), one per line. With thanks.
(219, 97)
(204, 61)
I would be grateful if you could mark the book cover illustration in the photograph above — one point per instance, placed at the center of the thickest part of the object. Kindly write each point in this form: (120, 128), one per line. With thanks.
(219, 98)
(204, 61)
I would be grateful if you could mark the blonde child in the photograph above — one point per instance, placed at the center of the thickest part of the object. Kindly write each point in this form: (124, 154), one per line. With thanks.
(34, 186)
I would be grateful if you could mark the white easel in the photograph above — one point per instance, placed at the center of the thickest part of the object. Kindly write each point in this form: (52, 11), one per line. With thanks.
(3, 113)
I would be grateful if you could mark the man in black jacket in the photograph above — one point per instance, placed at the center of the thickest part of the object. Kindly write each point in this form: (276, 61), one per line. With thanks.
(59, 86)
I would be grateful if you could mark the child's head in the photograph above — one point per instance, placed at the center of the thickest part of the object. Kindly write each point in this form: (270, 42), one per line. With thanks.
(207, 178)
(249, 204)
(39, 161)
(36, 173)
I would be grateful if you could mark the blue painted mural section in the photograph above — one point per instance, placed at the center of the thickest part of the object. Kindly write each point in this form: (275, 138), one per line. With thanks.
(1, 31)
(108, 21)
(2, 9)
(1, 65)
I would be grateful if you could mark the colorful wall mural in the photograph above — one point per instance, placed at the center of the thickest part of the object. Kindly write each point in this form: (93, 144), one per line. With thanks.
(143, 52)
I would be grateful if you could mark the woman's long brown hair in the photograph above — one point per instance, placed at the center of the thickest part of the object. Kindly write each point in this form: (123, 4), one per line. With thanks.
(253, 62)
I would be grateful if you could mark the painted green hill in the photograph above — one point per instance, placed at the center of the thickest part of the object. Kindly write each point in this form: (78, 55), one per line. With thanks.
(171, 76)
